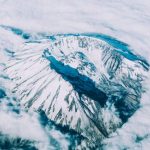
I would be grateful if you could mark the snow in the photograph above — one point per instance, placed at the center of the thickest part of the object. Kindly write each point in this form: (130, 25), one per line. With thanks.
(126, 20)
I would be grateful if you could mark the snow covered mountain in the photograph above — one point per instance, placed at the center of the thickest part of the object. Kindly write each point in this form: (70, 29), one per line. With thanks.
(65, 83)
(91, 82)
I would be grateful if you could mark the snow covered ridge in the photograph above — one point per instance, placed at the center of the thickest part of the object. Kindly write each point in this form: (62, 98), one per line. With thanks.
(89, 82)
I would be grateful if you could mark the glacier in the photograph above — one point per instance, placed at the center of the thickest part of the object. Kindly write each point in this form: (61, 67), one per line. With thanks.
(91, 89)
